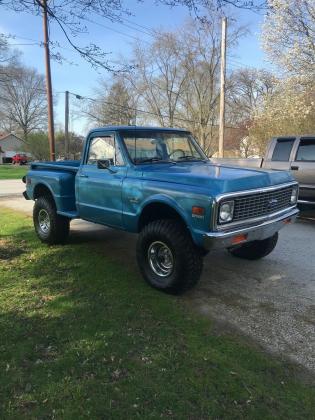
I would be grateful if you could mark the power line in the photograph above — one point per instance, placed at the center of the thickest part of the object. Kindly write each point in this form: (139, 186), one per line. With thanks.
(114, 30)
(22, 44)
(144, 111)
(135, 29)
(150, 30)
(52, 45)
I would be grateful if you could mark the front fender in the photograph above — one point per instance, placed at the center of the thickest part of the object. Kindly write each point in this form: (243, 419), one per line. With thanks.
(164, 199)
(183, 206)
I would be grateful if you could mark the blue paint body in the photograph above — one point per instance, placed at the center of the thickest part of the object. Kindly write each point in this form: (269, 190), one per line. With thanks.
(118, 199)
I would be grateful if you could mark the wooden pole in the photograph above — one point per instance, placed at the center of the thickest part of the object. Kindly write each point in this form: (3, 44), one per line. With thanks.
(51, 133)
(66, 124)
(222, 88)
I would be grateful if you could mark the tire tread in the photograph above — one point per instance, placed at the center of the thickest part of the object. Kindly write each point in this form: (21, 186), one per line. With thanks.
(181, 240)
(60, 225)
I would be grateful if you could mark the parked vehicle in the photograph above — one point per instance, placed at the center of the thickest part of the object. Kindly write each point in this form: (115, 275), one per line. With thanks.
(289, 153)
(159, 183)
(19, 159)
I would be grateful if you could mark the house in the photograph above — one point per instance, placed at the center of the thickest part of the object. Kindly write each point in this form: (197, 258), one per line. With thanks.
(10, 145)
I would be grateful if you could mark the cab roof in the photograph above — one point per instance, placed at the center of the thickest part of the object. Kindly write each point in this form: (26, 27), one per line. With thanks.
(133, 128)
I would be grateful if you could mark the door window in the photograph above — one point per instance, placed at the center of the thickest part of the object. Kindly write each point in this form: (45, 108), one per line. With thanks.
(306, 150)
(282, 150)
(102, 148)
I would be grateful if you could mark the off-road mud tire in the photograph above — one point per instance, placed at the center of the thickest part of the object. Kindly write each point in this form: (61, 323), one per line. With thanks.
(57, 230)
(187, 258)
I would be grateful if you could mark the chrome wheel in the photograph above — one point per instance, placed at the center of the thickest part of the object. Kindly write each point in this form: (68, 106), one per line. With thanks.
(44, 221)
(161, 259)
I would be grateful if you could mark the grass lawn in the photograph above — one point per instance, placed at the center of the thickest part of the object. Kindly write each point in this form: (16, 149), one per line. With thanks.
(83, 337)
(12, 171)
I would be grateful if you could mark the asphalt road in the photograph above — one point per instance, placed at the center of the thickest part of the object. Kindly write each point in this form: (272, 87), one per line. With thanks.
(272, 300)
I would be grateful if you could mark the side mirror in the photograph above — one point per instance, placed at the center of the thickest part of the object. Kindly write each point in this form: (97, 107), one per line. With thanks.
(105, 164)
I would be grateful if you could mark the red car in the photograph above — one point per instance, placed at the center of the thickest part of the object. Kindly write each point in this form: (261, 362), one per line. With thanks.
(19, 159)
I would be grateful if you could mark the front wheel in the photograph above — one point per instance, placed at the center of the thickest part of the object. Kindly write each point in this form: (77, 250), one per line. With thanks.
(167, 257)
(256, 249)
(49, 226)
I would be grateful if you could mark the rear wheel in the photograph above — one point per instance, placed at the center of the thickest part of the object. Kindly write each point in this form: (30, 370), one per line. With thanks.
(167, 257)
(49, 226)
(256, 249)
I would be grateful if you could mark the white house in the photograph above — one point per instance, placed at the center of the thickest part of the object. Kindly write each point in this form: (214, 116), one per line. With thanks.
(10, 145)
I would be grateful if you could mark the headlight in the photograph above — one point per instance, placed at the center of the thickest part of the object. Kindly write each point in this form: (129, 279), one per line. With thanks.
(226, 212)
(294, 195)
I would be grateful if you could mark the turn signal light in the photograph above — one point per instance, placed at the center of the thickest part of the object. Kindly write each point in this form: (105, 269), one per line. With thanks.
(198, 211)
(238, 239)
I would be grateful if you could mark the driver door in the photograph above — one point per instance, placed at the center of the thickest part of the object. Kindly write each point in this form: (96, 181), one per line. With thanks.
(99, 191)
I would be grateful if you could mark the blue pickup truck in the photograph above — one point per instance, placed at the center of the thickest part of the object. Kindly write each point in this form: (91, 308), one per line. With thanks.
(159, 183)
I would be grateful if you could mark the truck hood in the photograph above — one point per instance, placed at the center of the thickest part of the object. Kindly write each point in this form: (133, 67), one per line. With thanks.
(217, 179)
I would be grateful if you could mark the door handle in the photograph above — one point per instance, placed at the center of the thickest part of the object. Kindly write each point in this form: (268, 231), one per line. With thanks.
(294, 168)
(83, 176)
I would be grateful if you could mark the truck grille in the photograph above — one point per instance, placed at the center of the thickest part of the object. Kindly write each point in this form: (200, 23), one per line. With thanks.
(261, 204)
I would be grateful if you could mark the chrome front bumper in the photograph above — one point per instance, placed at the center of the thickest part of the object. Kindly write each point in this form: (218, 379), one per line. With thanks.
(263, 230)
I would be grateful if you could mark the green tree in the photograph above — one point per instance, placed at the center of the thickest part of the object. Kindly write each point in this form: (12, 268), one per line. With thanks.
(37, 144)
(75, 145)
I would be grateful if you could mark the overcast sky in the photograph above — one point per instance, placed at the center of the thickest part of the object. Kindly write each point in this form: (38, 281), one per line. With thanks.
(81, 78)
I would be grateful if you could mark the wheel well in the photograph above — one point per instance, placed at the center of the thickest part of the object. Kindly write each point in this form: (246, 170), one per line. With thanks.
(158, 211)
(42, 191)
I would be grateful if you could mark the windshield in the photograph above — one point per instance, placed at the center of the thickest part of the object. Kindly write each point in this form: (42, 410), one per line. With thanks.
(161, 146)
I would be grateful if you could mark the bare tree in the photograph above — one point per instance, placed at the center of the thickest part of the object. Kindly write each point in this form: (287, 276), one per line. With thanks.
(198, 6)
(114, 104)
(199, 104)
(247, 90)
(73, 18)
(75, 144)
(8, 58)
(158, 78)
(177, 78)
(23, 101)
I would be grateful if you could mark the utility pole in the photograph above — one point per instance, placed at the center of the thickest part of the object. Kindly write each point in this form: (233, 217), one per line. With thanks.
(51, 133)
(66, 124)
(222, 88)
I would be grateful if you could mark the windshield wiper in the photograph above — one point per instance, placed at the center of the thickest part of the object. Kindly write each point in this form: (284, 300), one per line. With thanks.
(191, 157)
(155, 160)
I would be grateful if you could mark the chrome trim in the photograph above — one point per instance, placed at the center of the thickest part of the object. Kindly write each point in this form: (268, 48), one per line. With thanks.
(255, 219)
(219, 198)
(266, 229)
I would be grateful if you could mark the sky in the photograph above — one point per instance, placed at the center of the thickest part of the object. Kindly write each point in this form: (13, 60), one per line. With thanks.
(117, 39)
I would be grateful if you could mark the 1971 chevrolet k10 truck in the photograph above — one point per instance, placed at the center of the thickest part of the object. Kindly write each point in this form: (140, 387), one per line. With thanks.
(159, 183)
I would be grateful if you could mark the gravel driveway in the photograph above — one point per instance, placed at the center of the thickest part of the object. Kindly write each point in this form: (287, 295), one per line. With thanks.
(272, 300)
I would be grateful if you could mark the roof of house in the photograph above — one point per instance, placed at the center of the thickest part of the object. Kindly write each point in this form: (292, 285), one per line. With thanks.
(3, 136)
